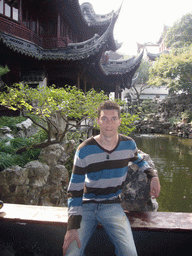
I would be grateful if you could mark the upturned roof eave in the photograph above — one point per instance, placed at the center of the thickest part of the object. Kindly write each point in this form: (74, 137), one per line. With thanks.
(122, 71)
(74, 51)
(100, 22)
(154, 56)
(94, 19)
(116, 67)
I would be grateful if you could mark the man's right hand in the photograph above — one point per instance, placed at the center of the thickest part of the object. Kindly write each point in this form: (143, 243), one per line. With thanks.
(71, 235)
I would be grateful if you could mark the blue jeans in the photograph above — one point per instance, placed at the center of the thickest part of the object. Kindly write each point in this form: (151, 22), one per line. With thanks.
(115, 223)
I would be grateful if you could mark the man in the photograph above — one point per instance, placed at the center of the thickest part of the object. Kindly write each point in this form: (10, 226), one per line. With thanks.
(99, 171)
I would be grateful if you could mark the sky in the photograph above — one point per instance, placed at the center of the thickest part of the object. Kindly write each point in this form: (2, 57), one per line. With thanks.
(141, 21)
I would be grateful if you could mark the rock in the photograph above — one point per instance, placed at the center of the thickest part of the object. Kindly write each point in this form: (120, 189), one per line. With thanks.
(6, 133)
(5, 129)
(136, 191)
(7, 136)
(25, 124)
(15, 176)
(36, 183)
(57, 153)
(14, 185)
(38, 173)
(59, 174)
(26, 128)
(51, 154)
(159, 122)
(45, 183)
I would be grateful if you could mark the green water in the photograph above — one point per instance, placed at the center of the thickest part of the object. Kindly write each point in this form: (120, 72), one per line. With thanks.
(173, 160)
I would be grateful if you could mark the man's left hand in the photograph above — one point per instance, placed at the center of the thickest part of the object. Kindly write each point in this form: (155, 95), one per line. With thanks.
(155, 187)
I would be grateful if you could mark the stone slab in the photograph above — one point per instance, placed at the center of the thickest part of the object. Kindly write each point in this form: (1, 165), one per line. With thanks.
(154, 221)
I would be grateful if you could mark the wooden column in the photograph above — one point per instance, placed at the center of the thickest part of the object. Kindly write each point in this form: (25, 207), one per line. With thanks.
(78, 80)
(38, 27)
(20, 12)
(117, 91)
(85, 84)
(58, 25)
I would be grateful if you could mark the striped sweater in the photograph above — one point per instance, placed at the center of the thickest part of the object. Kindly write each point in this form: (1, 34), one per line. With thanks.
(98, 175)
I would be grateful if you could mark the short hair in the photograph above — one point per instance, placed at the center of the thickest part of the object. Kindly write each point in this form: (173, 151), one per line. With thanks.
(108, 105)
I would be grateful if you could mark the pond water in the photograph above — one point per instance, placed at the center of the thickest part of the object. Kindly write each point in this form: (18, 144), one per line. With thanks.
(173, 160)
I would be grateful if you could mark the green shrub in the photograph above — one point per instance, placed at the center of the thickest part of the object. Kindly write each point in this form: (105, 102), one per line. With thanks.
(8, 149)
(27, 157)
(19, 142)
(8, 157)
(173, 120)
(11, 121)
(6, 160)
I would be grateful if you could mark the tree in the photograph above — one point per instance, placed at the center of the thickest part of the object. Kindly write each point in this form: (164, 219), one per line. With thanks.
(48, 107)
(141, 80)
(173, 70)
(180, 34)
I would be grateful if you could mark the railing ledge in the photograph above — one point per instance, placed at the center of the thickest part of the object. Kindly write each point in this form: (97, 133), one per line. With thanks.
(148, 221)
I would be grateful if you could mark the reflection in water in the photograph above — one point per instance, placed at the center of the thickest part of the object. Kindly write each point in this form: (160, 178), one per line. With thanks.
(173, 160)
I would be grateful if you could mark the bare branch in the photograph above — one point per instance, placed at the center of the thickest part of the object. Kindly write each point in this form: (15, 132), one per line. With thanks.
(64, 133)
(49, 121)
(37, 146)
(41, 126)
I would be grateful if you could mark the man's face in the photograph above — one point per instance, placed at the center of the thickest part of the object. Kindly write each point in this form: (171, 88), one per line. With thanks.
(109, 122)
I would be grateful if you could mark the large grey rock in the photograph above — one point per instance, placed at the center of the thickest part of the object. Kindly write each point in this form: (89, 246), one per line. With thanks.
(136, 191)
(16, 176)
(26, 128)
(14, 184)
(5, 129)
(38, 173)
(6, 133)
(51, 154)
(37, 182)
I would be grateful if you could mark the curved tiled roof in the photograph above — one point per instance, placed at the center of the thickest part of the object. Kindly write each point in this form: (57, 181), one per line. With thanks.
(74, 51)
(118, 67)
(122, 71)
(112, 70)
(92, 18)
(154, 56)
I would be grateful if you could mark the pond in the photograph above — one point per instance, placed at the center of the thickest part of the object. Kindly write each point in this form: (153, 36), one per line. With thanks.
(173, 160)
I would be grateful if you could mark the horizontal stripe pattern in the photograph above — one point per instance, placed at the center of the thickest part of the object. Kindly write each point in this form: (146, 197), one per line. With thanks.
(104, 183)
(98, 179)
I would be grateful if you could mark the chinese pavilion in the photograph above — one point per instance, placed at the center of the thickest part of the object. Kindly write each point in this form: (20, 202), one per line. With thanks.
(61, 42)
(160, 45)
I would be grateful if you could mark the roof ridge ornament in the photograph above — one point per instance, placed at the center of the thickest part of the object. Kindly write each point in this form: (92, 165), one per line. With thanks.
(92, 18)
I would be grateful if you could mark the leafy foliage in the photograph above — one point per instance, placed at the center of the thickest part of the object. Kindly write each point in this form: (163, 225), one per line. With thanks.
(143, 72)
(4, 70)
(141, 84)
(8, 157)
(173, 70)
(127, 121)
(43, 105)
(148, 106)
(11, 121)
(180, 34)
(6, 160)
(8, 148)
